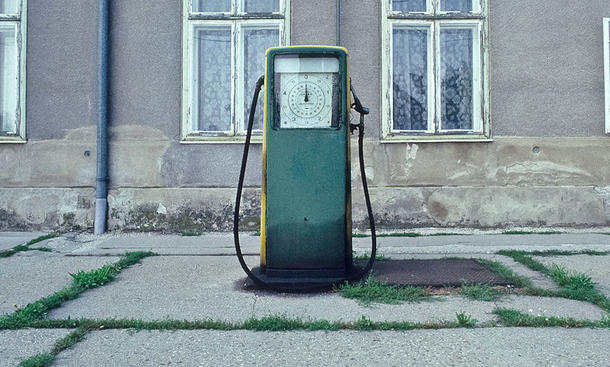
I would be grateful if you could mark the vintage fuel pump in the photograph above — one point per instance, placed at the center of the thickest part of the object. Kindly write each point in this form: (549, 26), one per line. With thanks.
(306, 224)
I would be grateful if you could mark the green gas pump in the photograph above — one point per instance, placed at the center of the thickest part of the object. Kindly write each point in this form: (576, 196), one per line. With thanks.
(306, 225)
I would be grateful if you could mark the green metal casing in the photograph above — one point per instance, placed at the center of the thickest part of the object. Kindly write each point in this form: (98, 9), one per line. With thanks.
(306, 206)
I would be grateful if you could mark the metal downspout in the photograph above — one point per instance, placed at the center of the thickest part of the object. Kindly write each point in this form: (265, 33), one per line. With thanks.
(101, 188)
(338, 36)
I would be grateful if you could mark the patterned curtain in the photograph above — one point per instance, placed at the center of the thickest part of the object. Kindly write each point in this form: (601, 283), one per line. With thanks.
(256, 42)
(410, 79)
(214, 76)
(456, 78)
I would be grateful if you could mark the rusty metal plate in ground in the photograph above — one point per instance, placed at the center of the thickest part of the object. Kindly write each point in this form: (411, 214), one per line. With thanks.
(435, 273)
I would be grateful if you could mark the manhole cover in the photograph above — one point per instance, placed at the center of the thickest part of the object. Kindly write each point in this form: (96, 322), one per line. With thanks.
(435, 273)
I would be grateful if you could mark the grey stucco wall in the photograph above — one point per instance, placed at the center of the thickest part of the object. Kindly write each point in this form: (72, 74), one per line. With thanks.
(547, 67)
(61, 67)
(546, 92)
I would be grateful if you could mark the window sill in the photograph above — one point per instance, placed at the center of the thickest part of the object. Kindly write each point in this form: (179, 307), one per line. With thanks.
(12, 140)
(256, 139)
(436, 139)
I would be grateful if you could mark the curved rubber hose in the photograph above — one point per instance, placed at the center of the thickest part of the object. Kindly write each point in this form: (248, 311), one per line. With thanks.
(309, 288)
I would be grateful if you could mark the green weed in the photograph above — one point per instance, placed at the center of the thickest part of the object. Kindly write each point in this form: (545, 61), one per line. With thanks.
(530, 232)
(190, 234)
(479, 292)
(373, 290)
(95, 278)
(26, 247)
(504, 272)
(39, 360)
(547, 253)
(367, 256)
(515, 318)
(465, 320)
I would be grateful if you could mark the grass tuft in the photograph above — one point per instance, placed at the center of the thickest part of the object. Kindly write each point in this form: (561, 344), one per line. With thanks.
(26, 247)
(573, 285)
(95, 278)
(465, 320)
(375, 291)
(530, 232)
(71, 339)
(503, 271)
(190, 234)
(514, 318)
(39, 360)
(366, 256)
(479, 292)
(273, 323)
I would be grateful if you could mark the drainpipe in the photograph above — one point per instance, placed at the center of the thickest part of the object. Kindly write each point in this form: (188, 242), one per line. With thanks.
(101, 188)
(338, 37)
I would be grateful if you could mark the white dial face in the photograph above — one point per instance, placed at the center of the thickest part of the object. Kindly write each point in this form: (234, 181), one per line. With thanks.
(306, 100)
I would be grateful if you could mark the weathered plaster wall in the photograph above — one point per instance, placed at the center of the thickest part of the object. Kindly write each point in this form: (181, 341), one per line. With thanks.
(547, 67)
(549, 163)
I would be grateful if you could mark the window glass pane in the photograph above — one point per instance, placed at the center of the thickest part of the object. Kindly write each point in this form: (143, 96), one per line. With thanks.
(8, 6)
(456, 5)
(9, 90)
(456, 78)
(212, 6)
(409, 5)
(256, 42)
(213, 79)
(262, 6)
(410, 78)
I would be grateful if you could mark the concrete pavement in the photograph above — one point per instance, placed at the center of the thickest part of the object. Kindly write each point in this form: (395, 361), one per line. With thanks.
(198, 278)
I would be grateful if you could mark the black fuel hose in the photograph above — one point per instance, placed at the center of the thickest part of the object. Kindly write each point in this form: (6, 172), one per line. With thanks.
(306, 288)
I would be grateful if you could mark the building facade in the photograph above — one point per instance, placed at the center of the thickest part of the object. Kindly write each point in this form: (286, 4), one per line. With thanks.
(484, 113)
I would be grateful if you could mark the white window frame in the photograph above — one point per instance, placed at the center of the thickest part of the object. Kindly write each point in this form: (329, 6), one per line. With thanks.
(238, 21)
(19, 21)
(607, 70)
(434, 22)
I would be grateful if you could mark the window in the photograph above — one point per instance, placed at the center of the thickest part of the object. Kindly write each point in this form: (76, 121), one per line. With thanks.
(607, 70)
(12, 70)
(434, 75)
(224, 52)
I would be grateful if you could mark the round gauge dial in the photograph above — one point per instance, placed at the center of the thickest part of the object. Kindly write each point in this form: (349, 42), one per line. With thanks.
(306, 100)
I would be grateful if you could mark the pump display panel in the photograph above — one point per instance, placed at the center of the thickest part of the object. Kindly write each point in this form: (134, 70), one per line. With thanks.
(306, 92)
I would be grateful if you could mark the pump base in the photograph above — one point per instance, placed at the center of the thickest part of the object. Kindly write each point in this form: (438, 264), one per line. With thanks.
(299, 279)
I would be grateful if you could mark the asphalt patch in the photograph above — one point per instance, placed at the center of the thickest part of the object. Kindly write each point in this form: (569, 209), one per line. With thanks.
(435, 273)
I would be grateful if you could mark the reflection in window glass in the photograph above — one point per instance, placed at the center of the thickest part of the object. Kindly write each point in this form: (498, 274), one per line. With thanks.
(211, 6)
(409, 5)
(9, 71)
(410, 78)
(8, 6)
(456, 78)
(256, 42)
(462, 6)
(213, 63)
(261, 6)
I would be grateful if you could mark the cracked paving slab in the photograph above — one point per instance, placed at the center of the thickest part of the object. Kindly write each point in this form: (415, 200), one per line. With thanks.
(200, 288)
(455, 347)
(17, 345)
(221, 243)
(29, 276)
(597, 267)
(8, 240)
